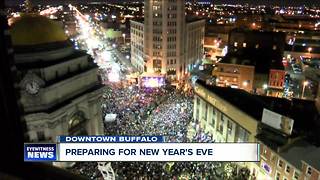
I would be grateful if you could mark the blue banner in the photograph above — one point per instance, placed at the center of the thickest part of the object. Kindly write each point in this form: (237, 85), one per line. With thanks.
(40, 152)
(110, 139)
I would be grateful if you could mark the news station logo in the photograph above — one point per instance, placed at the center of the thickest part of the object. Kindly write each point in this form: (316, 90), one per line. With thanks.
(40, 152)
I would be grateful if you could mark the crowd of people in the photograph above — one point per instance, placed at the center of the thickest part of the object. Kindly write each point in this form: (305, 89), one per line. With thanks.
(159, 111)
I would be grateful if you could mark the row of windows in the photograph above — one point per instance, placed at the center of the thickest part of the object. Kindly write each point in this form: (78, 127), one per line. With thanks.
(157, 23)
(173, 7)
(157, 46)
(172, 31)
(157, 15)
(171, 39)
(157, 38)
(241, 134)
(137, 33)
(138, 27)
(171, 54)
(157, 31)
(157, 64)
(172, 23)
(156, 53)
(171, 61)
(156, 7)
(235, 44)
(171, 46)
(276, 83)
(172, 16)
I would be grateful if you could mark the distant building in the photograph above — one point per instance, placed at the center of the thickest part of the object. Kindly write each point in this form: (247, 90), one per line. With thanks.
(172, 43)
(59, 86)
(234, 75)
(276, 82)
(137, 44)
(288, 151)
(261, 50)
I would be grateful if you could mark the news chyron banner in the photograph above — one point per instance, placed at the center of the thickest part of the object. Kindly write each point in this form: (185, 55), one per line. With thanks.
(137, 148)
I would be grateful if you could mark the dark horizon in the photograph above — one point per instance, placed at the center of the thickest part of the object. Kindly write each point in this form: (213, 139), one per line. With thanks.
(254, 2)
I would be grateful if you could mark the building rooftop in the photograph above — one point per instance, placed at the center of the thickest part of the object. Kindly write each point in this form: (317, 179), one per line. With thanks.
(140, 20)
(190, 19)
(303, 112)
(305, 151)
(260, 59)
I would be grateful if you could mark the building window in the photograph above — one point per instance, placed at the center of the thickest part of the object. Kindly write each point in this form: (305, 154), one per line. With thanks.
(280, 163)
(274, 47)
(265, 151)
(213, 122)
(273, 157)
(296, 175)
(197, 114)
(244, 44)
(309, 171)
(257, 46)
(229, 127)
(221, 123)
(235, 44)
(278, 176)
(242, 134)
(41, 136)
(198, 101)
(287, 169)
(206, 112)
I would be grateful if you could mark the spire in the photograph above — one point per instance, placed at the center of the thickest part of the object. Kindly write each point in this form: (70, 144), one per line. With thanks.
(28, 6)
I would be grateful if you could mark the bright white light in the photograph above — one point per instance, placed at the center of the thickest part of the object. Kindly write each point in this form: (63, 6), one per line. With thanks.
(114, 45)
(265, 86)
(114, 76)
(245, 83)
(127, 56)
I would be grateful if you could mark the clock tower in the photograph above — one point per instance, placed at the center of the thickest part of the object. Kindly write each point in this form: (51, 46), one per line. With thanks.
(59, 86)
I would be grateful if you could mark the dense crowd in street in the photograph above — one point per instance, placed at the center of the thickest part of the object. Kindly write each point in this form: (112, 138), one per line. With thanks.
(158, 111)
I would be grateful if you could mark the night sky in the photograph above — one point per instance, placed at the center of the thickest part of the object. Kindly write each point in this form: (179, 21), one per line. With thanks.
(267, 2)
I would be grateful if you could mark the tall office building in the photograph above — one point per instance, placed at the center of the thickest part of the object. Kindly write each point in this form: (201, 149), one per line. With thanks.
(172, 42)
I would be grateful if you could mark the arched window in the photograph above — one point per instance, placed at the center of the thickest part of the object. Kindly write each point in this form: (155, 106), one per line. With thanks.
(76, 124)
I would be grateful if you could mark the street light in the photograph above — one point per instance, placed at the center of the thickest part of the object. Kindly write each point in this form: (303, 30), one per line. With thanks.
(309, 49)
(305, 83)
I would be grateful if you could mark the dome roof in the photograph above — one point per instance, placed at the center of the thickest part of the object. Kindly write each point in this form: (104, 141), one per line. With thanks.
(32, 29)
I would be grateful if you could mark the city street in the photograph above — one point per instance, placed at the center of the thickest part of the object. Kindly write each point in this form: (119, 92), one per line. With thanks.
(142, 111)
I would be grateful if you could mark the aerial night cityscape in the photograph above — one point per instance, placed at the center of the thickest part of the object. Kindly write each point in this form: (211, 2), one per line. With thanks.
(186, 71)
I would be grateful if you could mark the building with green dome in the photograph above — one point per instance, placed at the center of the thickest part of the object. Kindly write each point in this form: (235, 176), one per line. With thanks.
(59, 86)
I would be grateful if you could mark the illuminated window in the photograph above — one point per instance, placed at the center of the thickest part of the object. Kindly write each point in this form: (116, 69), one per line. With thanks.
(244, 44)
(235, 44)
(274, 47)
(229, 127)
(257, 46)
